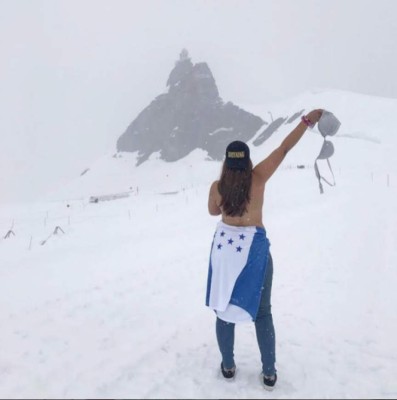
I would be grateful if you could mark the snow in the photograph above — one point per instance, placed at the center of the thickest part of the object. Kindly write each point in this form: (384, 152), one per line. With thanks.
(114, 307)
(219, 130)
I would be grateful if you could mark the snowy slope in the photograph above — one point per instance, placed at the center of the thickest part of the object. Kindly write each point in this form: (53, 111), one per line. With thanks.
(114, 306)
(365, 142)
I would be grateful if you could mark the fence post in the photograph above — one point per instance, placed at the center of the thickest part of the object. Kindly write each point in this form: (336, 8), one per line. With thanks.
(8, 234)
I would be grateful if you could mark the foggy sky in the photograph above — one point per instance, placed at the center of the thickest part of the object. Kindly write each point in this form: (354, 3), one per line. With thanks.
(74, 74)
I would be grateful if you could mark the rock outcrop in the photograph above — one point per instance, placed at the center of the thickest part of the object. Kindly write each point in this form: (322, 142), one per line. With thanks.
(190, 115)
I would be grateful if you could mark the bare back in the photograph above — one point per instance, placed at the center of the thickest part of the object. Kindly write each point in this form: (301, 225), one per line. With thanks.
(253, 215)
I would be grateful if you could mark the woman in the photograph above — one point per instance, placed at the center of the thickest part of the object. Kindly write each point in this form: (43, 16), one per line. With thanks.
(241, 267)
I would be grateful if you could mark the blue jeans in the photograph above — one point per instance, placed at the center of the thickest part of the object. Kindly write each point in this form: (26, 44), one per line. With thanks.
(264, 330)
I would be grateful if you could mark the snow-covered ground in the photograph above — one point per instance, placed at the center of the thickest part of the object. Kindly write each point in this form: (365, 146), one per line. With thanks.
(114, 306)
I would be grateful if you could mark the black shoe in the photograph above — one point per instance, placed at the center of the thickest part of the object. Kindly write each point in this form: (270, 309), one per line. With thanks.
(228, 373)
(269, 381)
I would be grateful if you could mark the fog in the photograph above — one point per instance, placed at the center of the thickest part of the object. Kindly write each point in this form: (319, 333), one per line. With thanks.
(74, 74)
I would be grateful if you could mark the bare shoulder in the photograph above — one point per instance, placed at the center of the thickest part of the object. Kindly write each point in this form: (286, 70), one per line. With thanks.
(214, 199)
(265, 169)
(214, 187)
(258, 182)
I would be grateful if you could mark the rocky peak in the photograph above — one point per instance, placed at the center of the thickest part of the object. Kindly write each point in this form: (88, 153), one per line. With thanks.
(192, 80)
(190, 115)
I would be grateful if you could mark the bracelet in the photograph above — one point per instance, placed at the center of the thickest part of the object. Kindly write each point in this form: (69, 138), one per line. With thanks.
(307, 121)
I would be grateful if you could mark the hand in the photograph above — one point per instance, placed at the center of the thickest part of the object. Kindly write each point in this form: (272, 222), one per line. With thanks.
(314, 116)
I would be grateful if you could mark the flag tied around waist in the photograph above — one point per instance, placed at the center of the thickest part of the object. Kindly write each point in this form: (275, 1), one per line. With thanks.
(237, 268)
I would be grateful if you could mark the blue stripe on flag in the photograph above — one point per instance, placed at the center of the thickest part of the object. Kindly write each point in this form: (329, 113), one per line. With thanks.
(207, 298)
(248, 288)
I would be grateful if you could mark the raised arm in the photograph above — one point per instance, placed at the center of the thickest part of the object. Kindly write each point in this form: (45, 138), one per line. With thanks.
(268, 166)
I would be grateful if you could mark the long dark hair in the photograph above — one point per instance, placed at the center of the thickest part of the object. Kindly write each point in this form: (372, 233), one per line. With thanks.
(234, 187)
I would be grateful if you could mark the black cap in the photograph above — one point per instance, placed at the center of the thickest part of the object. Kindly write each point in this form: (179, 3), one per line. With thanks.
(237, 155)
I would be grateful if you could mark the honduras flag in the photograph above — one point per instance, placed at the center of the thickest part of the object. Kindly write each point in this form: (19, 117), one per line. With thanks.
(236, 272)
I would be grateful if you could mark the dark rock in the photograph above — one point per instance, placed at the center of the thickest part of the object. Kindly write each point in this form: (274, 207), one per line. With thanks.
(269, 131)
(190, 115)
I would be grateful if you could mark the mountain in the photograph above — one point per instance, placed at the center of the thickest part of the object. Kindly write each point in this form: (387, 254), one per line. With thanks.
(190, 115)
(365, 141)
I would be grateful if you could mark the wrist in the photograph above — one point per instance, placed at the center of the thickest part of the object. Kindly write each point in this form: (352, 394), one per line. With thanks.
(307, 121)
